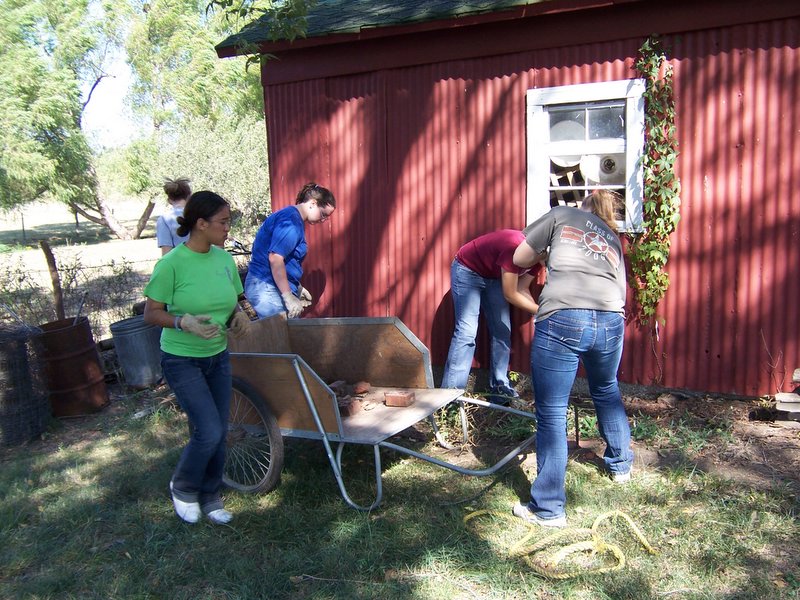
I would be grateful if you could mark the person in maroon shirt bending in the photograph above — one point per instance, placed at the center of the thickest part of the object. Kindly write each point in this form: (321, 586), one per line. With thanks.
(483, 277)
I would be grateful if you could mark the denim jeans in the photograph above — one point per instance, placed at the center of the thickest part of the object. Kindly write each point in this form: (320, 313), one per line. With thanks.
(202, 387)
(471, 293)
(560, 341)
(265, 298)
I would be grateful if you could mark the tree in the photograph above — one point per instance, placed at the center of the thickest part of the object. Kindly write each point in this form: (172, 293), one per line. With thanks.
(43, 151)
(51, 49)
(229, 158)
(207, 114)
(287, 18)
(178, 75)
(48, 48)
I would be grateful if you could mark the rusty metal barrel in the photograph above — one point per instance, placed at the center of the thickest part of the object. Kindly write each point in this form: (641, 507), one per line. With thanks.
(73, 372)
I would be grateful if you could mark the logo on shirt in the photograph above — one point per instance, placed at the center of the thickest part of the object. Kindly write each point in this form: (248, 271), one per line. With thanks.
(594, 243)
(226, 273)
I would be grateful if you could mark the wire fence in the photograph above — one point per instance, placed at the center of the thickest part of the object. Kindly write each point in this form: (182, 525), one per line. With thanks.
(105, 293)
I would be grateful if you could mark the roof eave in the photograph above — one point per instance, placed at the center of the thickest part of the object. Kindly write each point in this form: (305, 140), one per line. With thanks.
(229, 48)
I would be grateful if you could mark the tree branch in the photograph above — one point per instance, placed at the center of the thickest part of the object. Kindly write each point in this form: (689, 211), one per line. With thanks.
(91, 91)
(87, 215)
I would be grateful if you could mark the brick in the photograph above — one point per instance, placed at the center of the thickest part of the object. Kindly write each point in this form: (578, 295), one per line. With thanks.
(361, 387)
(349, 406)
(398, 398)
(787, 401)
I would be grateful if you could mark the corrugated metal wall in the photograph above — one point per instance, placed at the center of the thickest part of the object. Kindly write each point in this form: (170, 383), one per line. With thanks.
(422, 159)
(732, 312)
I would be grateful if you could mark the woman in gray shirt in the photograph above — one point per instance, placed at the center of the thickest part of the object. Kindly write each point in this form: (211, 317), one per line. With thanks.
(581, 318)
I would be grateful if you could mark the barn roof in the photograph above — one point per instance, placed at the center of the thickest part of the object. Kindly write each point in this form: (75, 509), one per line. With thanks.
(331, 21)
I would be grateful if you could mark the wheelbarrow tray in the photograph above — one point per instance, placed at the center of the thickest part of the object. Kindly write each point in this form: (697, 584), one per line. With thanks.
(381, 351)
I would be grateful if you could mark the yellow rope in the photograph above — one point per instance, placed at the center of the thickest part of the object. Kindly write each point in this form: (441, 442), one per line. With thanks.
(547, 565)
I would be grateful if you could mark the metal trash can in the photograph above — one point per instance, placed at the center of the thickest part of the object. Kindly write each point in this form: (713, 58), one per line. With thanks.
(138, 349)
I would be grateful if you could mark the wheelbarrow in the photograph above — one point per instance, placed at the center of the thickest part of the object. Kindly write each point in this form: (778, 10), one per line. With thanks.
(281, 375)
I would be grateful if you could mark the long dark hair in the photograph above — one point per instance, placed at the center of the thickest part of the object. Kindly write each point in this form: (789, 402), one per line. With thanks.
(312, 191)
(201, 205)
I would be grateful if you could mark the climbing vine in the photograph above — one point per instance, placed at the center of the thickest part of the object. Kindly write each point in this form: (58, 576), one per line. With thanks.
(648, 251)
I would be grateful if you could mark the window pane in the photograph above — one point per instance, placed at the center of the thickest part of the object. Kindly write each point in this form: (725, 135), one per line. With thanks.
(567, 126)
(607, 122)
(571, 117)
(582, 137)
(603, 169)
(567, 185)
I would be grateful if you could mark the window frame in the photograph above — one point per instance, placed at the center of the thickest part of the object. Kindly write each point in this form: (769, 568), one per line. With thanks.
(538, 101)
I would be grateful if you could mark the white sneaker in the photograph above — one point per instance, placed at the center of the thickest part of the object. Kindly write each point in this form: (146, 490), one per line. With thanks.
(219, 516)
(622, 477)
(523, 512)
(187, 511)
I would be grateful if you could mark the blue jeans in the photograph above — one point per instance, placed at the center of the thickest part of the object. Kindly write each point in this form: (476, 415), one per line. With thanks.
(471, 293)
(265, 298)
(560, 341)
(202, 387)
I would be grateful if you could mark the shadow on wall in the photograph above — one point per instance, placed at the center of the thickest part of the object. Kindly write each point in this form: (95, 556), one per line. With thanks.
(315, 281)
(441, 332)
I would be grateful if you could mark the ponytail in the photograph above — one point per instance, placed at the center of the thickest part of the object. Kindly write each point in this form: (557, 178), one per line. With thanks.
(604, 203)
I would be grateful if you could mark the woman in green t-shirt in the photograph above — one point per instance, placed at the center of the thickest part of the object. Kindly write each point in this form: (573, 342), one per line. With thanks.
(192, 294)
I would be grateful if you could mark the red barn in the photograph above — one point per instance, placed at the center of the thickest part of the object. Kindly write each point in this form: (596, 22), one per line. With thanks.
(435, 122)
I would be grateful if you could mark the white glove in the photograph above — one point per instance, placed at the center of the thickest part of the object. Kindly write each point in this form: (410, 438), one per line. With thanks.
(305, 296)
(240, 323)
(293, 305)
(200, 326)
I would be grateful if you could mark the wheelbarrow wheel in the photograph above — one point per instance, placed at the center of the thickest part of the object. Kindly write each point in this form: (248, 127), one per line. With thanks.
(254, 446)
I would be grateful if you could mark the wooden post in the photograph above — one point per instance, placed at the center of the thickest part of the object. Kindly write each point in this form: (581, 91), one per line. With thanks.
(58, 296)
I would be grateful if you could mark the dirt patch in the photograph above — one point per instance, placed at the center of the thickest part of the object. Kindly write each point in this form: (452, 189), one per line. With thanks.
(742, 440)
(746, 441)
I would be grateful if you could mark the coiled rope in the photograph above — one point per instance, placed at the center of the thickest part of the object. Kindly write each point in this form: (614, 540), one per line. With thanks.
(546, 564)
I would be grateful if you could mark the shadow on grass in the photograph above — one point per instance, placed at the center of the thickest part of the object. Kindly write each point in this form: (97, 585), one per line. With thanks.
(66, 234)
(90, 517)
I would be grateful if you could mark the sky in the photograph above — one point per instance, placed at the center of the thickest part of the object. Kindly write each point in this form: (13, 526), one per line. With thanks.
(107, 122)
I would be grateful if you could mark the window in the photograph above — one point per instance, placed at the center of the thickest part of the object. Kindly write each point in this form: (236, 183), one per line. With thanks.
(584, 137)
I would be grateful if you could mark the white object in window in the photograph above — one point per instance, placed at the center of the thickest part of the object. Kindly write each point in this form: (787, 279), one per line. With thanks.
(585, 137)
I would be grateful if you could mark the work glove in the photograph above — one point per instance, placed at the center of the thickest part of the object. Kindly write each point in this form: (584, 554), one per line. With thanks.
(239, 325)
(293, 305)
(200, 326)
(305, 296)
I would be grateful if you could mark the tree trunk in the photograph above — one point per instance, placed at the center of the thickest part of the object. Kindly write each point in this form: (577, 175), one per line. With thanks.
(113, 224)
(142, 223)
(106, 216)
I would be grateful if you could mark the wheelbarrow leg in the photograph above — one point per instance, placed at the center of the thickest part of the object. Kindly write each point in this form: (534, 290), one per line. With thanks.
(464, 429)
(336, 462)
(337, 470)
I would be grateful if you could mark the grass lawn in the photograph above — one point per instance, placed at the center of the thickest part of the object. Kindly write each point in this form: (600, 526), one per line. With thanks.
(85, 513)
